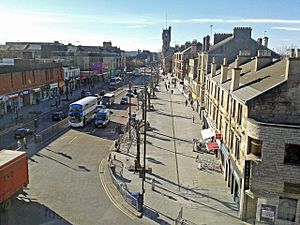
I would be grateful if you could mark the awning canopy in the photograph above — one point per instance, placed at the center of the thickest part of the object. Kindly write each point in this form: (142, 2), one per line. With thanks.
(212, 146)
(207, 133)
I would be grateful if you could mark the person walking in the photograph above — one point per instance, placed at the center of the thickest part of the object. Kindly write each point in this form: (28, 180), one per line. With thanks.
(193, 118)
(186, 102)
(25, 142)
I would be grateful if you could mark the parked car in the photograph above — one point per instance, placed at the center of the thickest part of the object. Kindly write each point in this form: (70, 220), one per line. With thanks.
(22, 132)
(58, 116)
(124, 100)
(130, 94)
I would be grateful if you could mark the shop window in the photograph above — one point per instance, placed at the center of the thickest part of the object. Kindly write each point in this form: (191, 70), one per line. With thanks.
(287, 209)
(292, 154)
(254, 147)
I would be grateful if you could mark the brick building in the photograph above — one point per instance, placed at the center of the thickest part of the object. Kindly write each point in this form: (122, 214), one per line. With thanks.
(254, 104)
(23, 85)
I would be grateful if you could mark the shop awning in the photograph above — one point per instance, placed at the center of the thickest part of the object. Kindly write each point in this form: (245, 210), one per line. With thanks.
(207, 133)
(212, 146)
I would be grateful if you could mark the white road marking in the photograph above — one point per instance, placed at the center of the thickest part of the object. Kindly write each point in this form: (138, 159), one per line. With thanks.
(72, 140)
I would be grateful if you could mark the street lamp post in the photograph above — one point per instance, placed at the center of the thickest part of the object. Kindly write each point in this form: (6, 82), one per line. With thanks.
(129, 113)
(145, 141)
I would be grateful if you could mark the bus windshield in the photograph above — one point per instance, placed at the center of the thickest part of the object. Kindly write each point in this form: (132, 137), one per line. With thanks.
(75, 108)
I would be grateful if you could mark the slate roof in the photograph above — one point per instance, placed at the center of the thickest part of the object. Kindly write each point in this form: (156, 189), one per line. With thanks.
(252, 83)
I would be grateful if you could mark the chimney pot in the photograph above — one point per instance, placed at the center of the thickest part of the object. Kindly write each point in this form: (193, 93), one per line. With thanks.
(225, 61)
(297, 53)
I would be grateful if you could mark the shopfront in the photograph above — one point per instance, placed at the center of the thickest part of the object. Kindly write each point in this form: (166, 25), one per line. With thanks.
(53, 90)
(231, 174)
(12, 103)
(2, 105)
(25, 98)
(35, 96)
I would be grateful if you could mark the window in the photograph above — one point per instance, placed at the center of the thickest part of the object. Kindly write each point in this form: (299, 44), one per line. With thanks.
(239, 114)
(227, 106)
(47, 75)
(292, 154)
(237, 148)
(233, 108)
(222, 94)
(293, 188)
(287, 209)
(255, 147)
(33, 76)
(23, 78)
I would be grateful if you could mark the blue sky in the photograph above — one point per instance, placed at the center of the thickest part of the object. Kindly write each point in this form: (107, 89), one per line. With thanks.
(137, 24)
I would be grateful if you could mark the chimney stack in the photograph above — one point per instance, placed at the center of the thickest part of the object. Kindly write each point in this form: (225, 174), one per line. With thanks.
(297, 53)
(262, 59)
(213, 67)
(265, 41)
(244, 56)
(224, 69)
(235, 80)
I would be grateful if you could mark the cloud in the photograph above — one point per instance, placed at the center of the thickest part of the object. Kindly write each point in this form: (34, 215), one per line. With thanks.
(240, 20)
(286, 28)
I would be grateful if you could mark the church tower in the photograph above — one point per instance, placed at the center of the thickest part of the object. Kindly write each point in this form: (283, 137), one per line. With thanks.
(166, 38)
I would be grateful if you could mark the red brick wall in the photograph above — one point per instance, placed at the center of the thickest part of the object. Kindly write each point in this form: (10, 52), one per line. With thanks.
(40, 79)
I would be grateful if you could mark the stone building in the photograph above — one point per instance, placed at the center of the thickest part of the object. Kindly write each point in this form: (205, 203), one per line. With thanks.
(227, 46)
(254, 105)
(181, 65)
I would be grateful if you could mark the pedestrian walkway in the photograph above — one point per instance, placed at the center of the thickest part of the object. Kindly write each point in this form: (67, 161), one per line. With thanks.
(175, 182)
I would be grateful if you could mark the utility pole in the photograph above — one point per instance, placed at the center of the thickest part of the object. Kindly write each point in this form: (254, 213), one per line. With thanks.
(145, 141)
(129, 113)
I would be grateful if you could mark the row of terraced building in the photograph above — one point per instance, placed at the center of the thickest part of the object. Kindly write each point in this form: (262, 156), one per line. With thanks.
(249, 98)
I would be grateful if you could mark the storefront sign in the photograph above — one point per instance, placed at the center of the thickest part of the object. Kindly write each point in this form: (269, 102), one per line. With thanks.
(26, 92)
(247, 174)
(219, 136)
(14, 95)
(267, 214)
(54, 85)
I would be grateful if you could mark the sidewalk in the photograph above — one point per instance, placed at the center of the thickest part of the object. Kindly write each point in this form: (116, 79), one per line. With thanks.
(202, 194)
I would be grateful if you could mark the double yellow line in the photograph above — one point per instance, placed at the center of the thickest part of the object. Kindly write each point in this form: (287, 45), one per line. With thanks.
(109, 194)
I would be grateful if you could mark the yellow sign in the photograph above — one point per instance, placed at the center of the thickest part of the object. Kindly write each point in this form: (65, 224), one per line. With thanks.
(61, 84)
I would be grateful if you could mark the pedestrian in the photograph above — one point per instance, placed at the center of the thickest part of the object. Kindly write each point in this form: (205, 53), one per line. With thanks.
(25, 142)
(186, 102)
(197, 158)
(171, 91)
(19, 144)
(193, 118)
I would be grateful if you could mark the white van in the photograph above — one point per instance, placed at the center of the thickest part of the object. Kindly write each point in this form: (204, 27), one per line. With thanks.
(108, 99)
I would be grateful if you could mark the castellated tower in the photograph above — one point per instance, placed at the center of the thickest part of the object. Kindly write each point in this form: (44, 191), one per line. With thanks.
(166, 38)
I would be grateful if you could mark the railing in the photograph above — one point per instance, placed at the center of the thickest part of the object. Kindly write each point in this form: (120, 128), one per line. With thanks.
(132, 198)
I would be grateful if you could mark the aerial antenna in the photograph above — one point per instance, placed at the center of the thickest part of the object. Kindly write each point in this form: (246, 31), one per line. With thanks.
(265, 33)
(166, 21)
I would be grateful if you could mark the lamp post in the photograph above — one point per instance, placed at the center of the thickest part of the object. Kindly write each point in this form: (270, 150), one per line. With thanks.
(129, 113)
(145, 141)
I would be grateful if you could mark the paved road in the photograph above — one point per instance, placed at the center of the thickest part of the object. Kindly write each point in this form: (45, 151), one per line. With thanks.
(64, 180)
